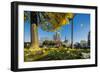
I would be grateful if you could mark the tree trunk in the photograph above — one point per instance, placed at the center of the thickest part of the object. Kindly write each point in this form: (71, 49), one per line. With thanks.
(34, 36)
(34, 31)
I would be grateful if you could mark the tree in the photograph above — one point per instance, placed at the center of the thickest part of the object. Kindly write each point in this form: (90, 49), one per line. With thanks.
(48, 21)
(77, 45)
(32, 17)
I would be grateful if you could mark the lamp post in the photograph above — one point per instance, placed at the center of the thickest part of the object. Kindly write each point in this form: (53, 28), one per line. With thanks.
(72, 31)
(72, 35)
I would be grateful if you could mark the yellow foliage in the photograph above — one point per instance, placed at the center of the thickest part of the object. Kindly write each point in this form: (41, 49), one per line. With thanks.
(69, 15)
(58, 19)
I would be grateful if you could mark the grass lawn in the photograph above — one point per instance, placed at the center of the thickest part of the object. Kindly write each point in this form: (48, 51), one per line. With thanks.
(55, 54)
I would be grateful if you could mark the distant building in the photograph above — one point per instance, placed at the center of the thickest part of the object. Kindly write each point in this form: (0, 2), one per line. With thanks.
(57, 39)
(56, 36)
(83, 44)
(65, 41)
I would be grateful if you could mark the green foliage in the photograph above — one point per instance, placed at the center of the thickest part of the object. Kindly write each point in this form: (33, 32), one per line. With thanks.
(48, 43)
(63, 54)
(60, 53)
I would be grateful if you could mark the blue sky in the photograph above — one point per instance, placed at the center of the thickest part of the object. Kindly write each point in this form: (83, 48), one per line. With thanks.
(27, 32)
(81, 23)
(81, 27)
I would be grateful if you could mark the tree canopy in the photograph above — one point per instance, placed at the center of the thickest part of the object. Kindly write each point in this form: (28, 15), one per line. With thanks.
(51, 21)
